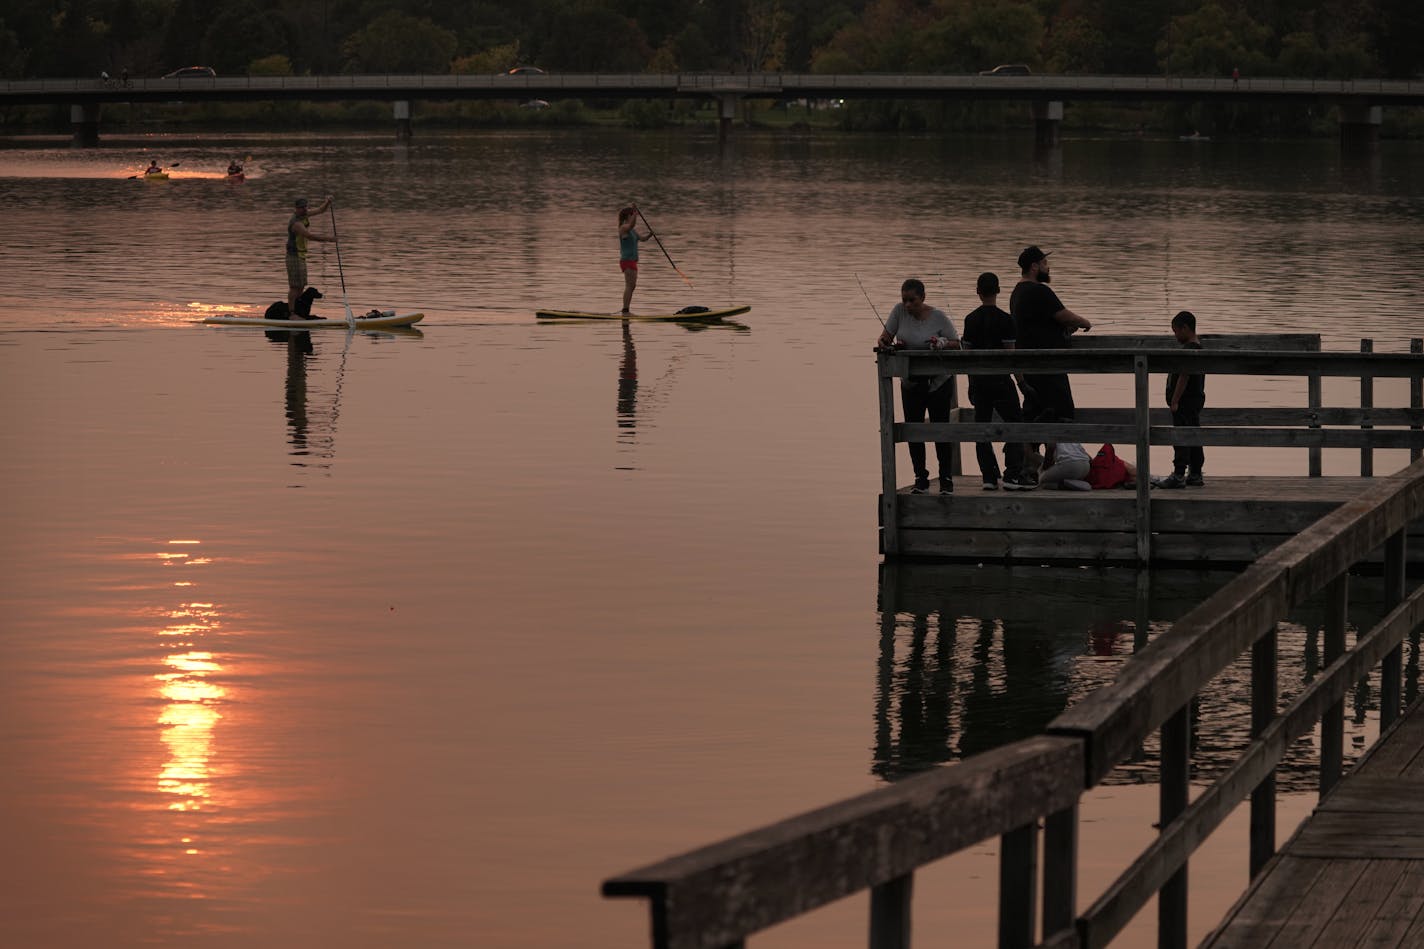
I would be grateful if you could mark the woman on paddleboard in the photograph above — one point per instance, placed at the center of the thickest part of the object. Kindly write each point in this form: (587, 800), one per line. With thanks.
(628, 238)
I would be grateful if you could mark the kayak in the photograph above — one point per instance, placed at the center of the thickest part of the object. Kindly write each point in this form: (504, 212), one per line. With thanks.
(387, 318)
(156, 176)
(240, 176)
(703, 316)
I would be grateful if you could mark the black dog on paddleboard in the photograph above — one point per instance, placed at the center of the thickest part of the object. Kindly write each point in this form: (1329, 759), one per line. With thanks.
(279, 310)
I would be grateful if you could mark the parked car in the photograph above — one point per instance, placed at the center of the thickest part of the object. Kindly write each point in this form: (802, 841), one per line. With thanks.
(191, 72)
(522, 70)
(535, 104)
(1009, 69)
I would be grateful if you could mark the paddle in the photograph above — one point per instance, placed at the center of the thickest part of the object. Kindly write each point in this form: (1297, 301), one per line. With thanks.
(350, 317)
(654, 236)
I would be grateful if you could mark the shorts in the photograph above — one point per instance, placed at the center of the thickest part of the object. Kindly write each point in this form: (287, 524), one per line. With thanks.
(296, 271)
(626, 265)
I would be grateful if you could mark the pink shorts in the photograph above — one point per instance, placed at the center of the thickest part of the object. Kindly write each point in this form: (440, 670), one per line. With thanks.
(626, 265)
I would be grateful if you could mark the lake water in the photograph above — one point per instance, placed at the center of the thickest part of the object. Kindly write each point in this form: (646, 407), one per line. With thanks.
(414, 639)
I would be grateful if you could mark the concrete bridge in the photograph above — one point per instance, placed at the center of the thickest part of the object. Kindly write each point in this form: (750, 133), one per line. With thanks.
(1359, 101)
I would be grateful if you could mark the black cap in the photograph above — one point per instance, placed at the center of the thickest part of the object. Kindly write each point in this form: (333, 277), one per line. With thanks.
(300, 202)
(988, 283)
(1030, 256)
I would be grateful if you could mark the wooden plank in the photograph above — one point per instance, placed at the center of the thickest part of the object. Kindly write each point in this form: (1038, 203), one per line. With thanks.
(1268, 905)
(1378, 794)
(1143, 507)
(1416, 394)
(1218, 342)
(1248, 437)
(1115, 361)
(1313, 405)
(1400, 912)
(1060, 870)
(724, 892)
(1373, 891)
(1264, 698)
(1349, 834)
(1266, 415)
(1018, 887)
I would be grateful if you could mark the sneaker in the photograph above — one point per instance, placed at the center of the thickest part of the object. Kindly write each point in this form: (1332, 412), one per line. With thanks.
(1172, 481)
(1020, 483)
(946, 485)
(922, 484)
(1195, 480)
(991, 485)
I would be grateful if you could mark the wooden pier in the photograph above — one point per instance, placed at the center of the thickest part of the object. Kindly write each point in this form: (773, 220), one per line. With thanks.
(1230, 521)
(1353, 875)
(1027, 792)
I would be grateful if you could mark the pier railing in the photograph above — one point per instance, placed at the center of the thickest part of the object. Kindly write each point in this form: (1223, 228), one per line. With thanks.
(718, 895)
(1142, 426)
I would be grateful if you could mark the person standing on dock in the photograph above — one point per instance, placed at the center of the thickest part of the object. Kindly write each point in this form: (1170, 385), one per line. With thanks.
(914, 324)
(628, 239)
(298, 234)
(1186, 394)
(1042, 321)
(989, 327)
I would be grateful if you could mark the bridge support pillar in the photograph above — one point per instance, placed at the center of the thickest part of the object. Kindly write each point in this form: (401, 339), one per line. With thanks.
(402, 115)
(1359, 126)
(84, 120)
(1047, 118)
(726, 112)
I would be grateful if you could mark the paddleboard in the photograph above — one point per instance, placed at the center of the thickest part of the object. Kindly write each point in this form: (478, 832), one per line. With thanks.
(704, 317)
(386, 319)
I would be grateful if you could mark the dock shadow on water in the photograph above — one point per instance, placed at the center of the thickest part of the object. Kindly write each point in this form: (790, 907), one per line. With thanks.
(974, 657)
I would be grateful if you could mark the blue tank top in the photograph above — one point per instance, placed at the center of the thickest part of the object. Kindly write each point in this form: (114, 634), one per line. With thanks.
(628, 245)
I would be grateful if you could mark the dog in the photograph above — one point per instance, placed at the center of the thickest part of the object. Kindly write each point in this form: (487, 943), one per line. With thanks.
(279, 311)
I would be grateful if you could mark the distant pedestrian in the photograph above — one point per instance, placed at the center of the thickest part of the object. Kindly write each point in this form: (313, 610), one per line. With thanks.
(1041, 321)
(914, 324)
(1235, 77)
(1186, 394)
(989, 328)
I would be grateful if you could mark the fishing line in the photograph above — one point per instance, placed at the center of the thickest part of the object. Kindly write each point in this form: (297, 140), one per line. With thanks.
(871, 302)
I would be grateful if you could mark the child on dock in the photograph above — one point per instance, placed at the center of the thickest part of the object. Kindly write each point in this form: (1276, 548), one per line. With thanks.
(1186, 394)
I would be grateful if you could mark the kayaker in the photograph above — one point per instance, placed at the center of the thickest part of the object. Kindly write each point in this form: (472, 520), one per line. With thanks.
(298, 234)
(628, 238)
(154, 168)
(233, 169)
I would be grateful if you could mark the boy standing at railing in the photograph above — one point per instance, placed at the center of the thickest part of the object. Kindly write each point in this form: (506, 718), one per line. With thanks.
(1186, 394)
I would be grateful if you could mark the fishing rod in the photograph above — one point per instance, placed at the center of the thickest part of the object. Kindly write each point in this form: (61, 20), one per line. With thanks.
(654, 236)
(872, 303)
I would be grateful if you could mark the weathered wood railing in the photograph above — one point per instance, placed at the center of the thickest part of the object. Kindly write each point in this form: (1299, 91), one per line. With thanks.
(718, 895)
(1143, 426)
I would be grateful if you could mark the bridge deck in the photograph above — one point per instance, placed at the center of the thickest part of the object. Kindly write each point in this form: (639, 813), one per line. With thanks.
(1353, 875)
(1231, 520)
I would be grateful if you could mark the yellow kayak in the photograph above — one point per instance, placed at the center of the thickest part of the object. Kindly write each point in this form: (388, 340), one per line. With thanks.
(156, 176)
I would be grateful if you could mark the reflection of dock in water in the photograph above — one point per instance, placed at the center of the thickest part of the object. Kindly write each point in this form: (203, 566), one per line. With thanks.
(972, 658)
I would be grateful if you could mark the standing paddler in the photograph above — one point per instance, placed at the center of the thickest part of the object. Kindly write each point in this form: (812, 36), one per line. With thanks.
(298, 233)
(628, 239)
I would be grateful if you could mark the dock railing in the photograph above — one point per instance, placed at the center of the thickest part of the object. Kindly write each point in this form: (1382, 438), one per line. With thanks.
(1142, 425)
(718, 895)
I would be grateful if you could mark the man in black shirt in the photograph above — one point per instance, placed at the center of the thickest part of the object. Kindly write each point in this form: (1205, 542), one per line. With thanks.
(1043, 322)
(989, 327)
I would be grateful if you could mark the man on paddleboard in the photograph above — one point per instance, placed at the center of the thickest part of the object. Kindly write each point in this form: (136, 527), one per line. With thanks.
(628, 238)
(298, 234)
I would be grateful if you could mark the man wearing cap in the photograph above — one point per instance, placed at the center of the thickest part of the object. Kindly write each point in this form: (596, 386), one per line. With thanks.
(989, 327)
(1042, 321)
(298, 234)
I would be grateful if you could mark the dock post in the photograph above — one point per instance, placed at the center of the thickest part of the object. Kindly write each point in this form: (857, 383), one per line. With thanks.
(1018, 887)
(1332, 723)
(1359, 126)
(890, 913)
(726, 112)
(1047, 118)
(1060, 870)
(1367, 402)
(1173, 792)
(401, 111)
(889, 530)
(1313, 401)
(1144, 494)
(1416, 395)
(1264, 701)
(1392, 666)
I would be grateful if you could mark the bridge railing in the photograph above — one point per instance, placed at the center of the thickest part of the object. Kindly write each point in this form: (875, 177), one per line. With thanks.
(1141, 426)
(718, 895)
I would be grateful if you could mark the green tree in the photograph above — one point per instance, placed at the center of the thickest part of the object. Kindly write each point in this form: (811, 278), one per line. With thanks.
(492, 60)
(397, 43)
(238, 34)
(1400, 38)
(1213, 41)
(593, 38)
(12, 55)
(276, 64)
(1075, 45)
(1301, 56)
(969, 35)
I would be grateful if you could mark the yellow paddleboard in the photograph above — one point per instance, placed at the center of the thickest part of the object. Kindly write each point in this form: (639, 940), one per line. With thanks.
(704, 316)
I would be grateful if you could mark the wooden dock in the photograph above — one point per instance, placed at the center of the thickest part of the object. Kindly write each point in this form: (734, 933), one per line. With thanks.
(1231, 521)
(1353, 874)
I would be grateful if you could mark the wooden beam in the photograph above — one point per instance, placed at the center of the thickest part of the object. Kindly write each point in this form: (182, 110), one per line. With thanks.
(1250, 436)
(889, 516)
(1367, 402)
(1143, 507)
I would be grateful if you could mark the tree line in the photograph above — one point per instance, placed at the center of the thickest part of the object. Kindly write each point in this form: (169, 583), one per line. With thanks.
(1297, 38)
